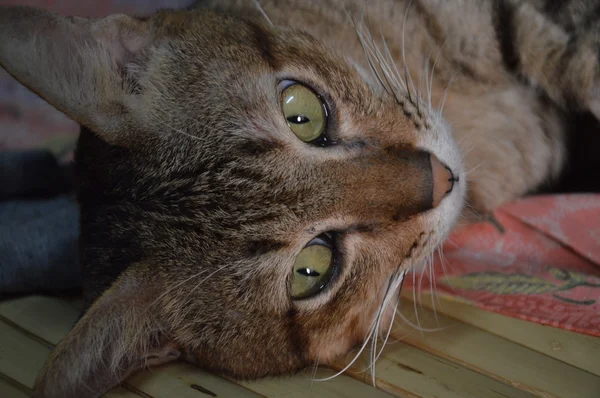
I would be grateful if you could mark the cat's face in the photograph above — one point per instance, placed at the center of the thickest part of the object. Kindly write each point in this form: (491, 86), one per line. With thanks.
(262, 196)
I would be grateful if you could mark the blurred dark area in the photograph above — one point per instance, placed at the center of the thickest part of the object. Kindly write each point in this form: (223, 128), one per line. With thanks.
(582, 173)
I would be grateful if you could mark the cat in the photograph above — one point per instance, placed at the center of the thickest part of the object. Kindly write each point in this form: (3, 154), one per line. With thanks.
(255, 178)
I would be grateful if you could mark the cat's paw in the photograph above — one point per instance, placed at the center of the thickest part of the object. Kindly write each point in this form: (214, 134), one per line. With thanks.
(487, 195)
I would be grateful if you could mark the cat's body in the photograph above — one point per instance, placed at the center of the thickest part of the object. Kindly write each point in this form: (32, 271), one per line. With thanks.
(198, 199)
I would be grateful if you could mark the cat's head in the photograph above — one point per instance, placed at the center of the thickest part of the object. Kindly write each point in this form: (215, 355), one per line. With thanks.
(249, 199)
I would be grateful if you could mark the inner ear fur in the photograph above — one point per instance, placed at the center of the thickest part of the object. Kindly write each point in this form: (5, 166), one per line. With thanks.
(75, 63)
(120, 334)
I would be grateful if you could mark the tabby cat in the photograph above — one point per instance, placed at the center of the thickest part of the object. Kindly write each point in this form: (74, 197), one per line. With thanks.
(255, 179)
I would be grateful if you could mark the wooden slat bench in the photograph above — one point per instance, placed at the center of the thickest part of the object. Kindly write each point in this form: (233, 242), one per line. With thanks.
(474, 354)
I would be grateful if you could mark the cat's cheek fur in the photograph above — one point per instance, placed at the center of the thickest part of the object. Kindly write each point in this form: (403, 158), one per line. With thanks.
(351, 330)
(365, 300)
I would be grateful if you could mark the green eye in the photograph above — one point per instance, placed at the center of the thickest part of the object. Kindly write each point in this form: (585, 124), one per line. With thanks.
(312, 270)
(304, 112)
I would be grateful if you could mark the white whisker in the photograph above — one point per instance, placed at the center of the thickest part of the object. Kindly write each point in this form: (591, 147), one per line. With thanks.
(262, 11)
(418, 327)
(395, 282)
(170, 289)
(441, 111)
(372, 334)
(393, 80)
(420, 286)
(443, 258)
(178, 131)
(398, 287)
(204, 280)
(368, 338)
(378, 62)
(468, 151)
(360, 351)
(314, 372)
(435, 61)
(432, 287)
(383, 65)
(428, 83)
(473, 169)
(397, 75)
(407, 75)
(386, 68)
(419, 88)
(370, 55)
(440, 253)
(415, 304)
(453, 243)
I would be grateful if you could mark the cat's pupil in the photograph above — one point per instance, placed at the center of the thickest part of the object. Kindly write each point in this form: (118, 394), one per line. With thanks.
(298, 119)
(308, 272)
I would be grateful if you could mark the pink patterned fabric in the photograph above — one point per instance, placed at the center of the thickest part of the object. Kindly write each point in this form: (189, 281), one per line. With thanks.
(540, 261)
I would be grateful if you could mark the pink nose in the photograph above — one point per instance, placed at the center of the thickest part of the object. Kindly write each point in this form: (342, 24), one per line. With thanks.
(443, 180)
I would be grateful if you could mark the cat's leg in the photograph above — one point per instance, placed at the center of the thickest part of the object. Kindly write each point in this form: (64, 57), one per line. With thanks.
(554, 46)
(512, 143)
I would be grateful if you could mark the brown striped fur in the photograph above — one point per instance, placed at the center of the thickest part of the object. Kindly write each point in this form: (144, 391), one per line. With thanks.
(195, 197)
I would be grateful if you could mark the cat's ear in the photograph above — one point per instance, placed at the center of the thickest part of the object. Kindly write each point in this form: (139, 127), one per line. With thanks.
(120, 334)
(76, 64)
